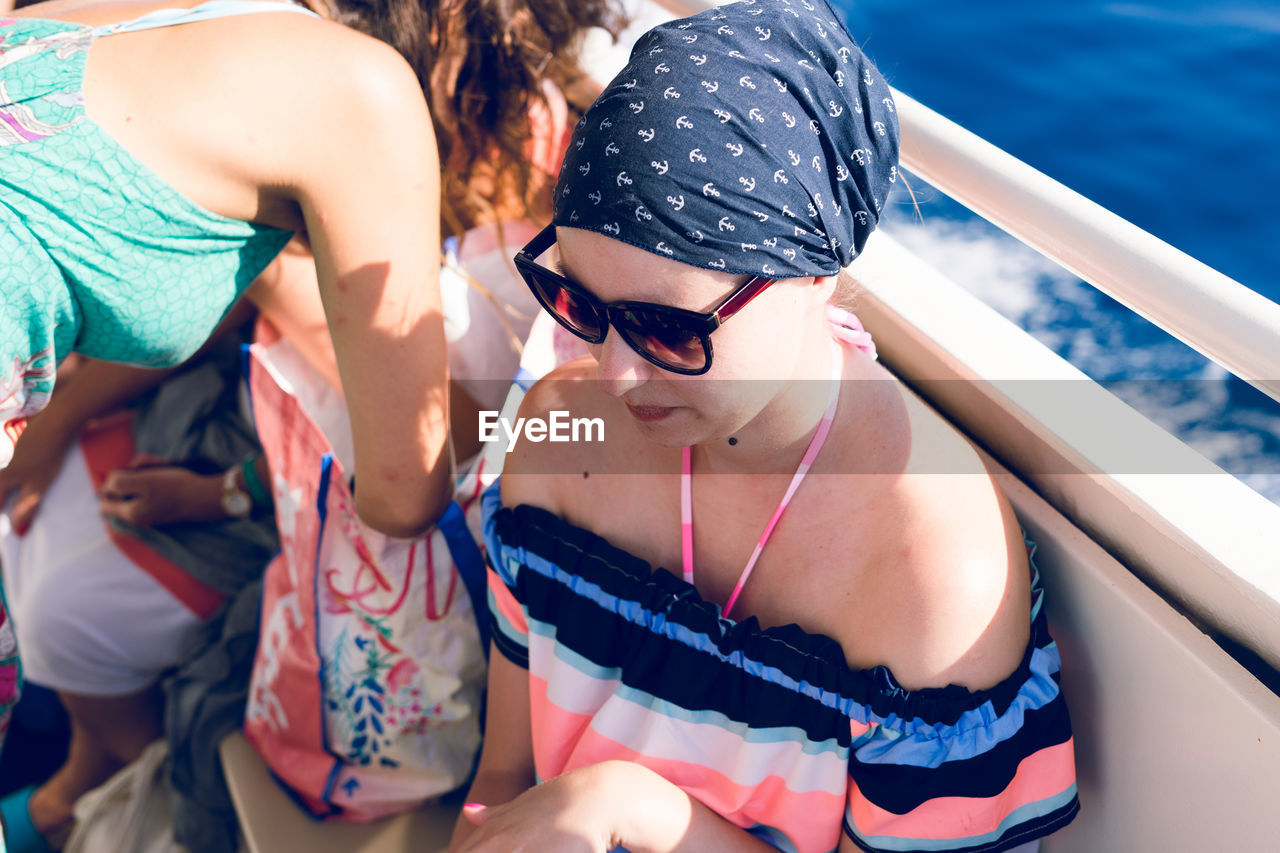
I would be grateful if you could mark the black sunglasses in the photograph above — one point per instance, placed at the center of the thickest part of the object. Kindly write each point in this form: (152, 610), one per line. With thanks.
(672, 338)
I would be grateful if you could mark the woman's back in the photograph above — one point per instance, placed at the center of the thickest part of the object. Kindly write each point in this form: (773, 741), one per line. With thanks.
(83, 203)
(221, 107)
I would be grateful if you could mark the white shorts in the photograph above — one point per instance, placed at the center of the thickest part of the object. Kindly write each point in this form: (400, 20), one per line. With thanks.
(89, 621)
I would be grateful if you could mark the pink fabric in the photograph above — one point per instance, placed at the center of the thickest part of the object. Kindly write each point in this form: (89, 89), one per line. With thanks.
(365, 693)
(845, 327)
(775, 784)
(8, 670)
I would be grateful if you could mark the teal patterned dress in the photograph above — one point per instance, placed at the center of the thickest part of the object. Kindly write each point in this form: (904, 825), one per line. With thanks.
(98, 254)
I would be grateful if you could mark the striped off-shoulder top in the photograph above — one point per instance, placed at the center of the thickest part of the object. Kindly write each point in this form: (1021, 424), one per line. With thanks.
(769, 727)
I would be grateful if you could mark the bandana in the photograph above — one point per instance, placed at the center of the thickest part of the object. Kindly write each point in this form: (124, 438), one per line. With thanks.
(755, 138)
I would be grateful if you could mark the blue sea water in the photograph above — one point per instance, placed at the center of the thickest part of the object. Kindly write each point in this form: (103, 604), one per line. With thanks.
(1166, 113)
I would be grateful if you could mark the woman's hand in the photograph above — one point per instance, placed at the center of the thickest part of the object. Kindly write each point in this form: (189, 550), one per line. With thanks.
(598, 808)
(87, 388)
(161, 494)
(573, 813)
(37, 459)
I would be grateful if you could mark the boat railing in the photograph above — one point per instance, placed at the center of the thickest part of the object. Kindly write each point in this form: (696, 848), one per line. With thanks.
(1215, 315)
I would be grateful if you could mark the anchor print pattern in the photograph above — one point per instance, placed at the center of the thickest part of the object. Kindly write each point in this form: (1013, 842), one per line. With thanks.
(759, 130)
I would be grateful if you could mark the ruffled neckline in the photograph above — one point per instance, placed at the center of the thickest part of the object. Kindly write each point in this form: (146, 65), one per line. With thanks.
(811, 660)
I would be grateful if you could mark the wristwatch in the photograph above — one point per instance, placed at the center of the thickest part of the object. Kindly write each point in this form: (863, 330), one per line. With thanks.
(235, 500)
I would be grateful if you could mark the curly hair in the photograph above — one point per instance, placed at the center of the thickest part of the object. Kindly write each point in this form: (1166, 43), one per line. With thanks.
(481, 64)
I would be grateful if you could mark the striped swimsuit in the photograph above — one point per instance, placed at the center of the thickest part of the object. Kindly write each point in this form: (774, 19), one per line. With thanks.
(768, 726)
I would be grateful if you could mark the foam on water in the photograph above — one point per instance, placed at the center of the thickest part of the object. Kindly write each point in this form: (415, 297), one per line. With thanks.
(1252, 17)
(1197, 400)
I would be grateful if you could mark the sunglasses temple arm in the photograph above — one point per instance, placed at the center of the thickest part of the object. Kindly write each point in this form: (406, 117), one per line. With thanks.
(741, 297)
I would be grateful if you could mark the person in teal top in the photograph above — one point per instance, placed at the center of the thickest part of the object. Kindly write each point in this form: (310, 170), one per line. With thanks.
(103, 255)
(148, 174)
(143, 191)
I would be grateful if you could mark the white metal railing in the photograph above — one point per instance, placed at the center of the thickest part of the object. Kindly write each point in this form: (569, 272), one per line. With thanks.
(1205, 542)
(1219, 317)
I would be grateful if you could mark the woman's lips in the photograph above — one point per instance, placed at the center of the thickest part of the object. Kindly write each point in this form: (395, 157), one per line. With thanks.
(649, 414)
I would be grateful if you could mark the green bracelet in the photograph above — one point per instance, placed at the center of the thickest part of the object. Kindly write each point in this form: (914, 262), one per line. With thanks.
(257, 491)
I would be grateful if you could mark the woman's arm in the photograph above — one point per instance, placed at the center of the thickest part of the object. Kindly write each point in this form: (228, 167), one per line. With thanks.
(98, 387)
(506, 767)
(368, 186)
(593, 809)
(287, 296)
(598, 808)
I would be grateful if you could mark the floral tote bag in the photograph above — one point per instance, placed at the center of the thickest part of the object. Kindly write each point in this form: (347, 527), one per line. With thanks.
(367, 686)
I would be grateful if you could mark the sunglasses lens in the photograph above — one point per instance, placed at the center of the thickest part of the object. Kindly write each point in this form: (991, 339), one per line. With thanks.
(573, 311)
(664, 336)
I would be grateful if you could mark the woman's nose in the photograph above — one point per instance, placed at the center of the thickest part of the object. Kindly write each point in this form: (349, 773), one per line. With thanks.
(619, 368)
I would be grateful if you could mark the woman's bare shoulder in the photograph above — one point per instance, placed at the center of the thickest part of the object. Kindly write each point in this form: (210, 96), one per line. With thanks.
(302, 67)
(246, 114)
(952, 583)
(566, 429)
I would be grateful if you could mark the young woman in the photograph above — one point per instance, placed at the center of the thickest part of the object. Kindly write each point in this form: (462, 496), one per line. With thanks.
(852, 653)
(499, 112)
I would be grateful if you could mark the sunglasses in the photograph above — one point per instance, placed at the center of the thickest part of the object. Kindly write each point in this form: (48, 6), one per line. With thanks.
(672, 338)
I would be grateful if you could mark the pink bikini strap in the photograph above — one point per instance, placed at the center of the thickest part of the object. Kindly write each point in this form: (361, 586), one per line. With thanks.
(686, 514)
(844, 331)
(846, 327)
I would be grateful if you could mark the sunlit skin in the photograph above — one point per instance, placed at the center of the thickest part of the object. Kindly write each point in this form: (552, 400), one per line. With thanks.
(903, 565)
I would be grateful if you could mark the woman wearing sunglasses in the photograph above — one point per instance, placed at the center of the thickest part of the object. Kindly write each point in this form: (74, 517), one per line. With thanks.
(757, 616)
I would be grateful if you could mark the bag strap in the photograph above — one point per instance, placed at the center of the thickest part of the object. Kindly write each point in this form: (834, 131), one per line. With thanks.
(470, 562)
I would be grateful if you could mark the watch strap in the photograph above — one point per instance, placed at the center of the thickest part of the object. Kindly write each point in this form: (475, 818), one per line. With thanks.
(236, 502)
(252, 482)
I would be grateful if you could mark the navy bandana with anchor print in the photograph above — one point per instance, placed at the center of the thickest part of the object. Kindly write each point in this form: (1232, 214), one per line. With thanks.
(755, 138)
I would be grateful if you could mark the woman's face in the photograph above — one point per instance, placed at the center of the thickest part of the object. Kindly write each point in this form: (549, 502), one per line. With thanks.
(756, 353)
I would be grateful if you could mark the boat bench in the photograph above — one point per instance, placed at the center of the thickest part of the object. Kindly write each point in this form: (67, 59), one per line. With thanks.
(271, 821)
(1177, 745)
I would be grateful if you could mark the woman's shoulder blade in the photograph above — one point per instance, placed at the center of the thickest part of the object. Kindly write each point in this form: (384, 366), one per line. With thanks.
(318, 61)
